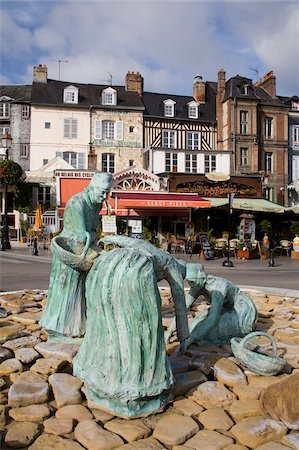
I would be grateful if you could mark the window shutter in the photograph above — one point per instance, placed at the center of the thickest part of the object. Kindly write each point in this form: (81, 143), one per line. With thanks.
(59, 154)
(74, 131)
(119, 130)
(81, 158)
(66, 132)
(98, 133)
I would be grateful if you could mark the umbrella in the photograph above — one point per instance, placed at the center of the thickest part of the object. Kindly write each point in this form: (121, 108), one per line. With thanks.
(38, 224)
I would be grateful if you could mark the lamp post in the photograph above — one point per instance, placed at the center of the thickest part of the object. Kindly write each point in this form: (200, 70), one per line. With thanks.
(228, 262)
(5, 244)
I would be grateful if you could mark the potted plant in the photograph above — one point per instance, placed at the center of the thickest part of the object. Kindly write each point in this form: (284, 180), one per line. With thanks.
(24, 229)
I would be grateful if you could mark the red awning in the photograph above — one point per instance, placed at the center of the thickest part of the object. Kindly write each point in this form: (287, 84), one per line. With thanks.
(159, 200)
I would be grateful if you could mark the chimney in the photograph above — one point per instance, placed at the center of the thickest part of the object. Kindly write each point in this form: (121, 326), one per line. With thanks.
(199, 89)
(134, 82)
(268, 82)
(40, 74)
(219, 110)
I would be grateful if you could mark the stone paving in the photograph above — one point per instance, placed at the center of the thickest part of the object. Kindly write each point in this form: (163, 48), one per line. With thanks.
(217, 404)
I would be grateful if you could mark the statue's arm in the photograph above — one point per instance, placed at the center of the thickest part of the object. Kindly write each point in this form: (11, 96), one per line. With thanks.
(121, 241)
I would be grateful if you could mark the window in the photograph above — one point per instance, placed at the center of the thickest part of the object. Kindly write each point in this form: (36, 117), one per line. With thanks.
(193, 112)
(296, 135)
(131, 129)
(45, 161)
(109, 96)
(77, 160)
(108, 162)
(47, 124)
(25, 111)
(244, 89)
(268, 127)
(70, 94)
(4, 129)
(169, 108)
(244, 156)
(70, 128)
(193, 141)
(243, 122)
(24, 150)
(268, 162)
(171, 162)
(44, 195)
(210, 163)
(168, 139)
(295, 105)
(5, 109)
(108, 129)
(191, 163)
(131, 162)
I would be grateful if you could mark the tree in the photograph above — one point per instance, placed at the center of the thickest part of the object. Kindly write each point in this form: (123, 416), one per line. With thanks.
(10, 172)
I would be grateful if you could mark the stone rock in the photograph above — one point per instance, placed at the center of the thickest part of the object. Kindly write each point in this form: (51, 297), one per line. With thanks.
(3, 397)
(20, 342)
(77, 412)
(10, 331)
(5, 353)
(48, 366)
(291, 440)
(186, 381)
(255, 431)
(59, 350)
(175, 429)
(31, 413)
(2, 416)
(2, 383)
(101, 416)
(228, 373)
(66, 389)
(187, 407)
(52, 442)
(28, 377)
(23, 394)
(26, 355)
(27, 318)
(280, 401)
(10, 365)
(272, 446)
(208, 440)
(263, 382)
(58, 426)
(94, 437)
(213, 394)
(247, 392)
(20, 434)
(130, 430)
(144, 444)
(215, 419)
(240, 409)
(235, 447)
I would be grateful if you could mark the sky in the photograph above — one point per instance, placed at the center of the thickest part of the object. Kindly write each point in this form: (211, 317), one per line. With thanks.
(167, 41)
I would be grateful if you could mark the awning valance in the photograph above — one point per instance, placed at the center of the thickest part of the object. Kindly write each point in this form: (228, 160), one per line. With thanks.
(248, 204)
(159, 200)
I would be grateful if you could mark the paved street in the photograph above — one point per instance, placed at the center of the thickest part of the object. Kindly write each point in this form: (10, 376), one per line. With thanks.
(20, 270)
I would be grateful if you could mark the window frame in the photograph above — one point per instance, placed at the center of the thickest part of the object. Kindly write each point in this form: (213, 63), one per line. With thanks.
(244, 125)
(269, 162)
(109, 164)
(169, 139)
(108, 129)
(295, 135)
(210, 163)
(24, 150)
(191, 161)
(171, 162)
(169, 108)
(77, 157)
(73, 128)
(244, 156)
(47, 127)
(268, 127)
(109, 93)
(73, 92)
(5, 110)
(25, 111)
(191, 140)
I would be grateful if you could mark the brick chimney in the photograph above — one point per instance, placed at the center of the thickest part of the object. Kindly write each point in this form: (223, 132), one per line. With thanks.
(219, 110)
(199, 89)
(134, 82)
(268, 82)
(40, 74)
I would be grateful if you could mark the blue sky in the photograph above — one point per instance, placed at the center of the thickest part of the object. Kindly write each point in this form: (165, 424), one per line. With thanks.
(168, 41)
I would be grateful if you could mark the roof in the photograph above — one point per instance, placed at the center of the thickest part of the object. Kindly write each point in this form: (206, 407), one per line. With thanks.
(51, 93)
(18, 93)
(154, 106)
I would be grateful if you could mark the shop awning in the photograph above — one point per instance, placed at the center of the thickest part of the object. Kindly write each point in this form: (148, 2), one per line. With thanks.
(248, 204)
(159, 200)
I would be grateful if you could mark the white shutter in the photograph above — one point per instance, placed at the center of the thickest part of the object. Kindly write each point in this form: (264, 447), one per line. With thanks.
(74, 131)
(98, 129)
(81, 159)
(119, 133)
(59, 154)
(67, 128)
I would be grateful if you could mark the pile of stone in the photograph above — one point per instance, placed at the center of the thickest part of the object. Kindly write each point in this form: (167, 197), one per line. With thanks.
(217, 404)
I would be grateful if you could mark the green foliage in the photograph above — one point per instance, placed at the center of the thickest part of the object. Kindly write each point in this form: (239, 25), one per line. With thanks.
(295, 227)
(265, 225)
(23, 199)
(25, 225)
(10, 171)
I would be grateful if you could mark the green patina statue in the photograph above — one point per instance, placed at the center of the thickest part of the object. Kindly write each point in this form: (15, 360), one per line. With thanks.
(73, 253)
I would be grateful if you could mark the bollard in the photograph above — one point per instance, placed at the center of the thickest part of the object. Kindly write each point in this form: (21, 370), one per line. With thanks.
(34, 247)
(271, 259)
(2, 242)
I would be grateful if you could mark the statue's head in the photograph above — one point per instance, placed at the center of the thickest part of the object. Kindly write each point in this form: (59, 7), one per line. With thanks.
(195, 274)
(99, 186)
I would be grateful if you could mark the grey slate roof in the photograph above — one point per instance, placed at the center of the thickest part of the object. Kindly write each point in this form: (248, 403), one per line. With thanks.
(19, 93)
(154, 106)
(51, 93)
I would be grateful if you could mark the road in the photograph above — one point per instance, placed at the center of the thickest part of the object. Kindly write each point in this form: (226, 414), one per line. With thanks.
(20, 270)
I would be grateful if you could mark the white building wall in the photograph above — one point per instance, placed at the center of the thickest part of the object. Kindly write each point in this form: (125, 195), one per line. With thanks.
(158, 161)
(45, 142)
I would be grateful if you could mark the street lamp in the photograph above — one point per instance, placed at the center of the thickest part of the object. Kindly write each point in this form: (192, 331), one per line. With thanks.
(5, 244)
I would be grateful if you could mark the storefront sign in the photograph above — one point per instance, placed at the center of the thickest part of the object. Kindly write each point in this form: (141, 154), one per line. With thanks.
(109, 224)
(136, 226)
(217, 176)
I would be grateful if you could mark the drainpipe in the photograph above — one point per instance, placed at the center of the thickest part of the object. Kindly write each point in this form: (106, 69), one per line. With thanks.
(234, 136)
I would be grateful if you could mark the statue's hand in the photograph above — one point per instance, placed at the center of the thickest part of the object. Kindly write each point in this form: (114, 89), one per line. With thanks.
(182, 347)
(121, 241)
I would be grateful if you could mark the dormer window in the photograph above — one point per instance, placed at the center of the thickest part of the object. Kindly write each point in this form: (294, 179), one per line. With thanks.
(244, 89)
(193, 110)
(169, 108)
(295, 105)
(109, 96)
(70, 94)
